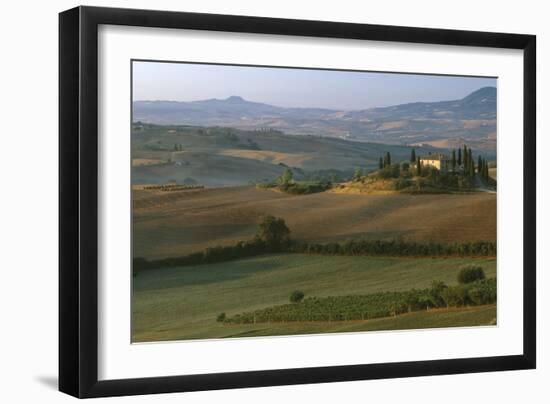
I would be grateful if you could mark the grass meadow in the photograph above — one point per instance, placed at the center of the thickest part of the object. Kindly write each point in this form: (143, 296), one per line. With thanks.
(182, 303)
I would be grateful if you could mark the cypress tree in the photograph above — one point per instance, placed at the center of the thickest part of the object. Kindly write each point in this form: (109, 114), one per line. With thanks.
(380, 163)
(413, 156)
(453, 160)
(358, 174)
(388, 158)
(465, 158)
(479, 164)
(418, 167)
(459, 157)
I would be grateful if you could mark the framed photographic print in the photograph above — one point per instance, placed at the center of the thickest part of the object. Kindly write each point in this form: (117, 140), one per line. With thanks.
(250, 201)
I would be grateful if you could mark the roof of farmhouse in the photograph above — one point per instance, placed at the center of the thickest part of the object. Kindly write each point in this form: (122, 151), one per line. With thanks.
(435, 156)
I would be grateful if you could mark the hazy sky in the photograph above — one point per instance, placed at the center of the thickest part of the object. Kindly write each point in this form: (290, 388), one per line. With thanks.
(295, 87)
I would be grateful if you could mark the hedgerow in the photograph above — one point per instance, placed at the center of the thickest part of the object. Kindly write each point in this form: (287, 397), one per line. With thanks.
(397, 248)
(257, 246)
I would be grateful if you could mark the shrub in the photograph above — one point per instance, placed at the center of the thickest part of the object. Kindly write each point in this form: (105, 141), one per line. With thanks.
(220, 318)
(436, 293)
(401, 183)
(470, 273)
(305, 187)
(455, 296)
(483, 292)
(297, 296)
(391, 171)
(273, 231)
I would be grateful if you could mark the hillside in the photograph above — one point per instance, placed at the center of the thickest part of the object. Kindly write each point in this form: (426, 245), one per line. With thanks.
(218, 156)
(182, 303)
(178, 223)
(472, 118)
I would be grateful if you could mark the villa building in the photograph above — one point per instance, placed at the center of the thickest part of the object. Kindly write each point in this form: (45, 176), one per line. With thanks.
(437, 160)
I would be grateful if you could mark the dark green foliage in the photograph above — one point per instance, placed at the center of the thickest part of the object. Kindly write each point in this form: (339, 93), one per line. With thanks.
(470, 273)
(387, 159)
(305, 180)
(297, 296)
(382, 304)
(174, 187)
(483, 292)
(257, 246)
(305, 187)
(453, 160)
(455, 296)
(221, 318)
(434, 180)
(273, 236)
(211, 255)
(418, 167)
(413, 156)
(402, 183)
(436, 293)
(381, 163)
(358, 174)
(459, 161)
(287, 177)
(274, 232)
(397, 248)
(389, 171)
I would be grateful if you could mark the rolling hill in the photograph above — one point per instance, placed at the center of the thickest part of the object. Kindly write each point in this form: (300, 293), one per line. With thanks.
(179, 223)
(218, 156)
(472, 118)
(182, 303)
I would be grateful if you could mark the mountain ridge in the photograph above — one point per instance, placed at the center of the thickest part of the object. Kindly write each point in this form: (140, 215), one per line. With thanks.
(472, 117)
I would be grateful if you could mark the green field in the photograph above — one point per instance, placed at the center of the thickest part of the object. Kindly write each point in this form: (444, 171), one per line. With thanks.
(182, 303)
(437, 318)
(218, 156)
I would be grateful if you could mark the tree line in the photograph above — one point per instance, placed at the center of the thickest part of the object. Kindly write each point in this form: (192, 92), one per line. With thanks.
(173, 187)
(397, 248)
(461, 158)
(274, 237)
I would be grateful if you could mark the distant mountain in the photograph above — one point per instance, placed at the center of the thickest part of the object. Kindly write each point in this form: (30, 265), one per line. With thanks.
(472, 119)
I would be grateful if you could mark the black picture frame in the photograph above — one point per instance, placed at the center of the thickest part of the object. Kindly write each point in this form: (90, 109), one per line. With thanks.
(78, 201)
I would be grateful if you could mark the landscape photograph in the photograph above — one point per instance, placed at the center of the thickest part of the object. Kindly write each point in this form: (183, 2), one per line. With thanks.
(271, 201)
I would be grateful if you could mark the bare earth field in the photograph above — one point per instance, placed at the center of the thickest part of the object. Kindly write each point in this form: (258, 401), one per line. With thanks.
(178, 223)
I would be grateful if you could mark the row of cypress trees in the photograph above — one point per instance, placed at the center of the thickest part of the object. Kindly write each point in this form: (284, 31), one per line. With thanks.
(461, 157)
